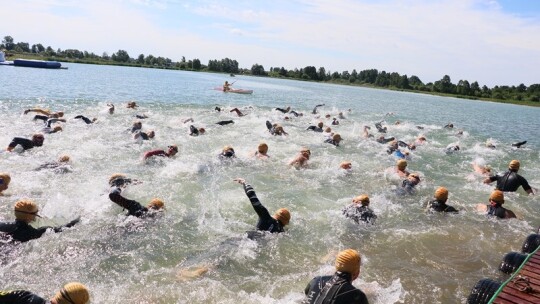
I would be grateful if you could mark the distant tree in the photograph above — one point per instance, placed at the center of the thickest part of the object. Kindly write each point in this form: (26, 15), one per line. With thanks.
(38, 48)
(444, 85)
(120, 56)
(8, 43)
(475, 89)
(322, 73)
(140, 59)
(463, 88)
(105, 56)
(415, 81)
(23, 47)
(521, 88)
(311, 73)
(196, 64)
(148, 60)
(258, 70)
(335, 76)
(382, 79)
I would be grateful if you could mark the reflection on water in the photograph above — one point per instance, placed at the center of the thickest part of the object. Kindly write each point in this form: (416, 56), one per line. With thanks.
(408, 256)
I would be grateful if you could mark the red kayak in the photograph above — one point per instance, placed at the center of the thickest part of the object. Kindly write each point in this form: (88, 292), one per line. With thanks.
(238, 91)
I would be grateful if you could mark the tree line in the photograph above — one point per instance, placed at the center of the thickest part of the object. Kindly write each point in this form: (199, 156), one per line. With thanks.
(369, 77)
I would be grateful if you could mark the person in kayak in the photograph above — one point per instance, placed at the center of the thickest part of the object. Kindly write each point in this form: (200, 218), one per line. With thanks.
(495, 208)
(134, 208)
(71, 293)
(317, 128)
(26, 212)
(359, 210)
(300, 161)
(335, 140)
(338, 288)
(510, 180)
(193, 131)
(36, 141)
(226, 86)
(5, 179)
(273, 224)
(87, 120)
(171, 151)
(144, 136)
(262, 151)
(438, 203)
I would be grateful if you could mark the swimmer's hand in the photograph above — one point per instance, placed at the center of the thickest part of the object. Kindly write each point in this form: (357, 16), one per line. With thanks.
(26, 111)
(73, 222)
(239, 180)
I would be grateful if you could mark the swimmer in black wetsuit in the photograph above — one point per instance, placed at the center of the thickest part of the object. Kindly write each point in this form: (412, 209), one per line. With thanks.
(86, 119)
(317, 128)
(452, 149)
(266, 222)
(365, 134)
(111, 108)
(71, 293)
(380, 127)
(275, 129)
(383, 140)
(224, 122)
(335, 140)
(495, 208)
(359, 211)
(335, 122)
(449, 126)
(196, 132)
(438, 204)
(60, 166)
(134, 208)
(48, 125)
(510, 181)
(338, 288)
(137, 126)
(284, 111)
(26, 212)
(144, 135)
(315, 108)
(238, 112)
(408, 185)
(227, 152)
(36, 141)
(5, 179)
(519, 144)
(296, 114)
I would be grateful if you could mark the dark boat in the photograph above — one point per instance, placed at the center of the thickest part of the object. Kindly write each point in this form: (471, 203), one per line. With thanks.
(37, 64)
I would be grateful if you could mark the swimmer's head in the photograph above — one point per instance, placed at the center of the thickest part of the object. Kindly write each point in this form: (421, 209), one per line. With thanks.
(226, 82)
(415, 178)
(63, 158)
(262, 148)
(514, 165)
(5, 179)
(497, 197)
(202, 131)
(368, 128)
(320, 124)
(278, 129)
(228, 151)
(72, 293)
(26, 210)
(441, 194)
(397, 122)
(283, 216)
(305, 152)
(401, 164)
(156, 204)
(132, 105)
(57, 129)
(172, 149)
(328, 130)
(327, 116)
(137, 124)
(361, 199)
(347, 165)
(38, 139)
(286, 118)
(422, 138)
(412, 147)
(349, 261)
(151, 134)
(336, 137)
(117, 180)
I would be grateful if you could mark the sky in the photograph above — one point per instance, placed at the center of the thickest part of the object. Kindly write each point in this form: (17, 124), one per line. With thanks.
(494, 42)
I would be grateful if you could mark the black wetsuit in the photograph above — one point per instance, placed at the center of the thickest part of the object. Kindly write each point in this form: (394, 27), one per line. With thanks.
(403, 144)
(359, 213)
(133, 207)
(41, 117)
(331, 141)
(85, 119)
(510, 181)
(407, 187)
(435, 205)
(224, 122)
(336, 289)
(519, 144)
(296, 114)
(20, 297)
(142, 135)
(22, 231)
(58, 167)
(194, 131)
(282, 110)
(498, 211)
(385, 140)
(315, 128)
(24, 142)
(315, 108)
(266, 221)
(451, 149)
(380, 128)
(139, 116)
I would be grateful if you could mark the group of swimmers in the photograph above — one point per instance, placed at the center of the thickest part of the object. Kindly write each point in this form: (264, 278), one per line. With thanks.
(321, 289)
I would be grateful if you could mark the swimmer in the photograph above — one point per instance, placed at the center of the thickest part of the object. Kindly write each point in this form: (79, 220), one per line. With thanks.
(449, 126)
(359, 211)
(397, 122)
(401, 165)
(262, 151)
(481, 169)
(141, 116)
(137, 126)
(338, 288)
(495, 208)
(519, 144)
(111, 108)
(383, 140)
(217, 109)
(273, 224)
(36, 141)
(238, 112)
(296, 114)
(134, 208)
(438, 203)
(144, 135)
(421, 140)
(380, 127)
(26, 212)
(317, 128)
(275, 129)
(284, 111)
(47, 113)
(327, 116)
(510, 180)
(459, 133)
(131, 105)
(227, 152)
(408, 185)
(171, 151)
(341, 116)
(48, 129)
(490, 145)
(224, 122)
(335, 140)
(188, 120)
(59, 166)
(86, 119)
(366, 134)
(71, 293)
(328, 132)
(392, 147)
(452, 149)
(120, 180)
(300, 161)
(335, 122)
(196, 132)
(315, 108)
(346, 165)
(5, 179)
(406, 145)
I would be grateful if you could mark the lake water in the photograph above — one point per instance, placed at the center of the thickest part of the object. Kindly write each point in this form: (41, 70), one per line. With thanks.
(408, 256)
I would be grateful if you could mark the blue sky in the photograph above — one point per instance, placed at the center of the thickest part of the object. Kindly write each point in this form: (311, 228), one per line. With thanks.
(494, 42)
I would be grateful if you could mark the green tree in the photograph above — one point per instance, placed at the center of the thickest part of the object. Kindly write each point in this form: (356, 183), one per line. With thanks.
(196, 64)
(23, 47)
(140, 59)
(311, 73)
(8, 43)
(257, 70)
(120, 56)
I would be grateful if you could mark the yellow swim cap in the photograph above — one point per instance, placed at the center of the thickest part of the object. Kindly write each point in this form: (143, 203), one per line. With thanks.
(156, 204)
(348, 261)
(441, 194)
(116, 177)
(514, 165)
(72, 293)
(497, 196)
(363, 199)
(63, 158)
(402, 164)
(283, 216)
(25, 210)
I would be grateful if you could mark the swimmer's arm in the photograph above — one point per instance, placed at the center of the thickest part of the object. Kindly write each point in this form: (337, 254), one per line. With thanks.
(116, 197)
(262, 212)
(7, 227)
(154, 153)
(38, 110)
(17, 141)
(68, 225)
(490, 179)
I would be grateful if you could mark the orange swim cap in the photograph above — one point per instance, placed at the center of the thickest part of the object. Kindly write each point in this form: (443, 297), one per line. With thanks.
(283, 216)
(348, 261)
(441, 194)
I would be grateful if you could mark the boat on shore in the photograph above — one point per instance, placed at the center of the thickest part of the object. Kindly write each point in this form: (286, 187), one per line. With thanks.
(29, 63)
(238, 91)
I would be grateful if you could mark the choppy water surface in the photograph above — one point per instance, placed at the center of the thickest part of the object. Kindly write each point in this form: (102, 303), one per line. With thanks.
(408, 256)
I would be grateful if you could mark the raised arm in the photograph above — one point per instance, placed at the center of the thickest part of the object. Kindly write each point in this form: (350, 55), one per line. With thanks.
(262, 212)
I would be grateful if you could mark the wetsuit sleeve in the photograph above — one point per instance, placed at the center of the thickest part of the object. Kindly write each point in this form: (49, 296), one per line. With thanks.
(262, 212)
(24, 142)
(7, 227)
(155, 153)
(134, 207)
(68, 225)
(523, 182)
(20, 296)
